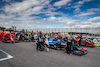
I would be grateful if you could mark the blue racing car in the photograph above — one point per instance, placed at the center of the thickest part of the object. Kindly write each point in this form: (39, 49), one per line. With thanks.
(55, 43)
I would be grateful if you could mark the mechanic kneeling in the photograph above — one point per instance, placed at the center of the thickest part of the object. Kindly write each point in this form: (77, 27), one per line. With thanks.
(40, 42)
(69, 48)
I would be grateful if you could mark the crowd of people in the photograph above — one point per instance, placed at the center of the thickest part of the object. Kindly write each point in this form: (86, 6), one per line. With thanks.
(40, 37)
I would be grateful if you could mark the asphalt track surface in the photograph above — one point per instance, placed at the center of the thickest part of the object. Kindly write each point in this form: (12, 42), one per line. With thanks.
(25, 55)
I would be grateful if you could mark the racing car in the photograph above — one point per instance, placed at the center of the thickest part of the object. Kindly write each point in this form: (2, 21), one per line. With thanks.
(96, 40)
(86, 42)
(9, 37)
(77, 50)
(55, 43)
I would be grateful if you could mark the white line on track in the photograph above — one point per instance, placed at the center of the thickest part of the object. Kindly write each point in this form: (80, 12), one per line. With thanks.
(8, 56)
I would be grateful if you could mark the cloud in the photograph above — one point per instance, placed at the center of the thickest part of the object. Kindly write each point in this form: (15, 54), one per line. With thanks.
(25, 8)
(51, 13)
(83, 1)
(85, 14)
(94, 19)
(69, 4)
(19, 22)
(36, 10)
(93, 9)
(89, 23)
(31, 14)
(93, 25)
(56, 19)
(20, 7)
(80, 3)
(62, 2)
(76, 6)
(86, 22)
(6, 0)
(20, 13)
(77, 10)
(71, 22)
(29, 24)
(68, 21)
(2, 16)
(51, 19)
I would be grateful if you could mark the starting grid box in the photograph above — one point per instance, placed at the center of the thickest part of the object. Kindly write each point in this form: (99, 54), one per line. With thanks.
(4, 55)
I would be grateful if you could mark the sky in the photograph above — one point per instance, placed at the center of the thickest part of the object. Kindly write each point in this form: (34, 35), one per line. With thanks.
(29, 14)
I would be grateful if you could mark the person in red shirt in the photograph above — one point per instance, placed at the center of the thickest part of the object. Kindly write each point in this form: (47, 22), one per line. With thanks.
(53, 36)
(78, 36)
(59, 35)
(1, 35)
(86, 39)
(12, 37)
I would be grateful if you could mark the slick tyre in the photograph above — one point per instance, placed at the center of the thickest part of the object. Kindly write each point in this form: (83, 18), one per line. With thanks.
(55, 46)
